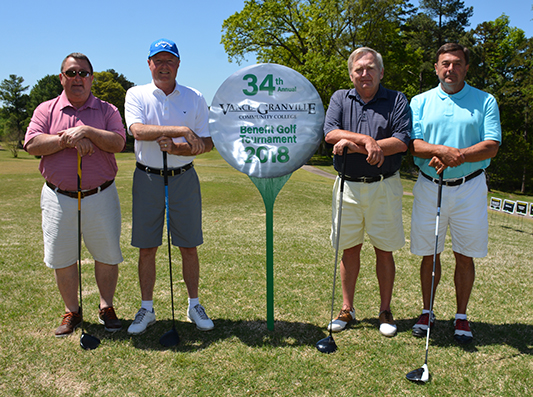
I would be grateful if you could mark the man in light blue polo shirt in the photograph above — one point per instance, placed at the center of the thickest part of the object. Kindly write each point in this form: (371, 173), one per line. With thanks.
(456, 131)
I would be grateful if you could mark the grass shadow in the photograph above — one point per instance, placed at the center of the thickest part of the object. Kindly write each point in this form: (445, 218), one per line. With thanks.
(253, 333)
(516, 335)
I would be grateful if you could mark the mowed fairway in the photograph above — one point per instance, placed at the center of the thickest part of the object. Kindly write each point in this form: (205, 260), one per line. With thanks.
(241, 357)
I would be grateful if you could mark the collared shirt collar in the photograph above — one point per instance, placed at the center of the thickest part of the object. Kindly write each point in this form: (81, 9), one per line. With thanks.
(155, 89)
(459, 95)
(379, 95)
(64, 102)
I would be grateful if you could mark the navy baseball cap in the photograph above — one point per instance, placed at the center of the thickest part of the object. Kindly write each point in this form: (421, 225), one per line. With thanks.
(163, 45)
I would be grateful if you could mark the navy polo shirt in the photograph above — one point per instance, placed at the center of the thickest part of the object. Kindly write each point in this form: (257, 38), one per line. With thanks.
(386, 115)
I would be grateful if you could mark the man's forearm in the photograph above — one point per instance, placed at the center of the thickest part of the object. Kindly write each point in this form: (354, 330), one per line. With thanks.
(184, 149)
(44, 144)
(148, 132)
(108, 141)
(480, 151)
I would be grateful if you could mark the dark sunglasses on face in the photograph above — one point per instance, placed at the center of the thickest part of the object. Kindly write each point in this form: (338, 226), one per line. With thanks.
(72, 73)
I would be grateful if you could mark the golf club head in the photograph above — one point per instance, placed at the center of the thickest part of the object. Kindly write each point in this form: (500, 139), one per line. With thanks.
(170, 338)
(420, 375)
(89, 342)
(326, 345)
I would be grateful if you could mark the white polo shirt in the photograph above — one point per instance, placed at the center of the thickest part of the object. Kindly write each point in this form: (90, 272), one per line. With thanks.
(147, 104)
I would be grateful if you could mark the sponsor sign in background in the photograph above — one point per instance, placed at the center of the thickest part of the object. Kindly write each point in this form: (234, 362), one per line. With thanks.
(266, 120)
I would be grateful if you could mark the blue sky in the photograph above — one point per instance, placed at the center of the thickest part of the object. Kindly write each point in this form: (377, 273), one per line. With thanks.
(36, 35)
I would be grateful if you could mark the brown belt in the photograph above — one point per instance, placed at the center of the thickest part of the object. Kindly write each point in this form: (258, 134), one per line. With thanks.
(85, 193)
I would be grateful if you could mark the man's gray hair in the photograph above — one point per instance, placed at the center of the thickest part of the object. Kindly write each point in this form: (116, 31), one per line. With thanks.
(360, 52)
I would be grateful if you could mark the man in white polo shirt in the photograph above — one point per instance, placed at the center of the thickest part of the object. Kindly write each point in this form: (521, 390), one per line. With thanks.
(164, 116)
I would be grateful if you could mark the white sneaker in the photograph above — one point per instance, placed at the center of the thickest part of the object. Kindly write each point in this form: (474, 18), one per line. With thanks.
(143, 319)
(344, 318)
(198, 316)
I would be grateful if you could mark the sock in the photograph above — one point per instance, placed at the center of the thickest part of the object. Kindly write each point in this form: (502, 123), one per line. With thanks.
(193, 302)
(148, 305)
(425, 311)
(460, 316)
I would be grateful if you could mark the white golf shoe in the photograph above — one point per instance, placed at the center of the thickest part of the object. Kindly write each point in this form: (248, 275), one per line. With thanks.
(198, 316)
(143, 319)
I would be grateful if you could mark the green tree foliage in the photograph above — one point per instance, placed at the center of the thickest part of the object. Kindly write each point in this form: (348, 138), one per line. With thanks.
(450, 16)
(512, 166)
(14, 111)
(493, 46)
(108, 89)
(315, 37)
(437, 22)
(121, 79)
(47, 88)
(111, 87)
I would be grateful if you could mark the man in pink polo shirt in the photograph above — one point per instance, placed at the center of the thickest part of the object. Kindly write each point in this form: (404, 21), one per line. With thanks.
(77, 122)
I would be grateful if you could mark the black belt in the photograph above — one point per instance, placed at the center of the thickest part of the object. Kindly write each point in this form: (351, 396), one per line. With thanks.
(367, 179)
(454, 182)
(170, 171)
(85, 193)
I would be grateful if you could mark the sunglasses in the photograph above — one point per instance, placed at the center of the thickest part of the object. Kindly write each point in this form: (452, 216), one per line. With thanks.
(72, 73)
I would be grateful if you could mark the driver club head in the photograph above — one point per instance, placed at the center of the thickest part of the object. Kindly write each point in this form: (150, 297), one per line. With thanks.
(420, 375)
(89, 342)
(326, 345)
(170, 338)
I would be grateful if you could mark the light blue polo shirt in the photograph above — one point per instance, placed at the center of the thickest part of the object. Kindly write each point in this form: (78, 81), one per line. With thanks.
(460, 120)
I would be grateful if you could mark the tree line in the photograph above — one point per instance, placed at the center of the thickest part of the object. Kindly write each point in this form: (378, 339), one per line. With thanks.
(315, 38)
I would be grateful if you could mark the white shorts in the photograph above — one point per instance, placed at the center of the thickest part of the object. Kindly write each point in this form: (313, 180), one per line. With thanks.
(376, 207)
(100, 227)
(463, 209)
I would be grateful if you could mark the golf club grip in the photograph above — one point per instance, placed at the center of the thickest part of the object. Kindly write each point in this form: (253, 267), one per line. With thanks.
(343, 173)
(439, 194)
(165, 173)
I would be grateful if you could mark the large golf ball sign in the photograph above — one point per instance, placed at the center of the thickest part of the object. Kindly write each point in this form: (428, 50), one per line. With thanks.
(266, 120)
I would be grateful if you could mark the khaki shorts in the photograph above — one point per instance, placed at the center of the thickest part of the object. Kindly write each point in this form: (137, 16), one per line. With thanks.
(374, 207)
(100, 227)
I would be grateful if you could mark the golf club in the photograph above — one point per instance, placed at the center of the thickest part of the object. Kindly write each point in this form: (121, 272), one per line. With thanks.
(170, 338)
(422, 374)
(328, 345)
(87, 342)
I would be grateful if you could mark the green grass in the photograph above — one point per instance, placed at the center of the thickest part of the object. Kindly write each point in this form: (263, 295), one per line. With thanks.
(241, 357)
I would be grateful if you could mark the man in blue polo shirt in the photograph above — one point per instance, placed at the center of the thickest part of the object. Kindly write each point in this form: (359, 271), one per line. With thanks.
(456, 130)
(374, 123)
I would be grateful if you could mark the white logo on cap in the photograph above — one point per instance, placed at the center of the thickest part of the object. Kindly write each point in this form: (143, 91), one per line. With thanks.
(163, 44)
